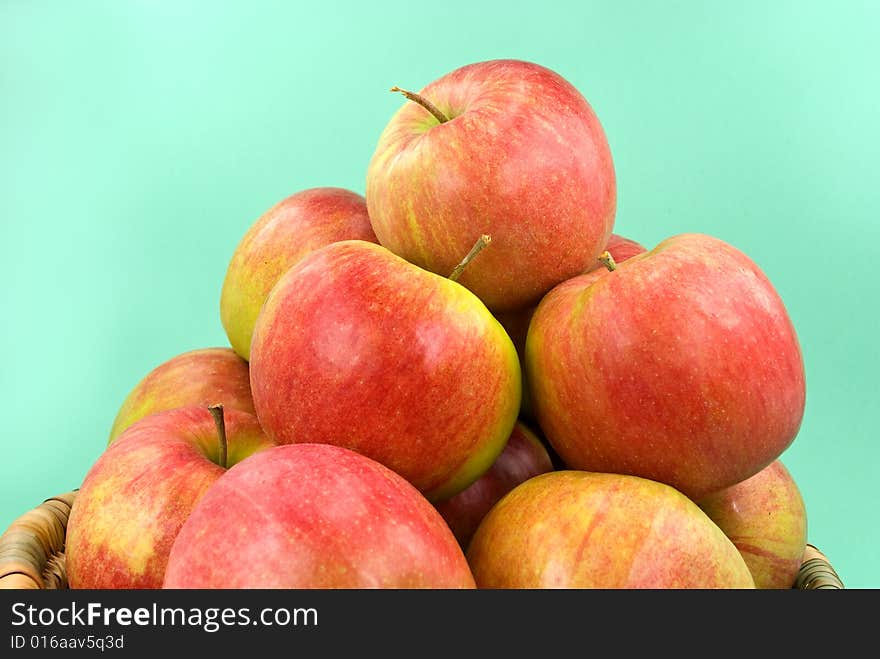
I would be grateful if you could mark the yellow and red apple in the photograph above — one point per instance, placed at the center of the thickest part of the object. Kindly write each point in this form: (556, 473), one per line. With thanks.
(765, 517)
(575, 529)
(198, 377)
(357, 347)
(292, 228)
(140, 490)
(507, 148)
(681, 365)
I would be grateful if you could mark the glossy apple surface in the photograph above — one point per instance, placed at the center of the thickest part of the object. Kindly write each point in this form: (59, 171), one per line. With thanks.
(522, 157)
(295, 226)
(139, 491)
(682, 366)
(315, 516)
(359, 348)
(765, 517)
(573, 529)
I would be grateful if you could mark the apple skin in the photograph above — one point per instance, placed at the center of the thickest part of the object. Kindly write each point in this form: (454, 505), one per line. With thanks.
(523, 159)
(199, 377)
(621, 248)
(292, 228)
(315, 516)
(523, 456)
(139, 491)
(575, 529)
(359, 348)
(766, 519)
(516, 321)
(681, 366)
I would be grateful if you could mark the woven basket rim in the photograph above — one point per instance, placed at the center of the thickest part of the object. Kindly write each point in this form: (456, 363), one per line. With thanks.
(32, 552)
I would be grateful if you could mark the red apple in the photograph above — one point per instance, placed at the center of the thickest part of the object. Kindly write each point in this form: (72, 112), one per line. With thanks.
(524, 456)
(621, 248)
(506, 148)
(283, 235)
(360, 348)
(765, 517)
(573, 529)
(315, 516)
(681, 366)
(516, 321)
(198, 377)
(138, 493)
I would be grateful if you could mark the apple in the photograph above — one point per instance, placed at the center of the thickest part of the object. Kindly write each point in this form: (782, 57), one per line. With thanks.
(139, 491)
(315, 516)
(357, 347)
(523, 456)
(198, 377)
(621, 248)
(279, 238)
(681, 365)
(516, 321)
(506, 148)
(765, 517)
(576, 529)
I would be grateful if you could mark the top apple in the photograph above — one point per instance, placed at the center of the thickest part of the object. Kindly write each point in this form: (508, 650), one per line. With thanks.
(506, 148)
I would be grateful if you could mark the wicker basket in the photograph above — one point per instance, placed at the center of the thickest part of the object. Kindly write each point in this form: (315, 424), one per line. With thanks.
(32, 552)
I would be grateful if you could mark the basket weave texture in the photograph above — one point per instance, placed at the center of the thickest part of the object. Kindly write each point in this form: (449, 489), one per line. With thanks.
(32, 552)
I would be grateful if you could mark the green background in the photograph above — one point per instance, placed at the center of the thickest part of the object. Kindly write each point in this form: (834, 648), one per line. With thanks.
(139, 140)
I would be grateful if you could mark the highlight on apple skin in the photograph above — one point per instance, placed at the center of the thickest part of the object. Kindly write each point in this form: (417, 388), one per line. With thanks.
(284, 234)
(359, 348)
(315, 516)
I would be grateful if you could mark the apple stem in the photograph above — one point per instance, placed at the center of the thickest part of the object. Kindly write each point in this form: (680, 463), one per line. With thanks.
(608, 261)
(220, 422)
(424, 102)
(482, 241)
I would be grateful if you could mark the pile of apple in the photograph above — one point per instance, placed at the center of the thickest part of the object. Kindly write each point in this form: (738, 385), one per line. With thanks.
(463, 379)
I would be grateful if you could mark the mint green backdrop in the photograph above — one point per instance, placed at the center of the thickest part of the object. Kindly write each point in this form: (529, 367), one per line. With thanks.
(139, 140)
